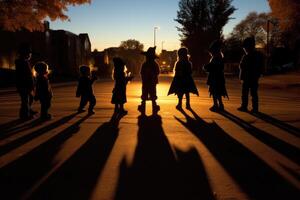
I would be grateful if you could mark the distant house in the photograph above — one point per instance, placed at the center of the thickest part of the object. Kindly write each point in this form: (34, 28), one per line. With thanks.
(62, 50)
(100, 61)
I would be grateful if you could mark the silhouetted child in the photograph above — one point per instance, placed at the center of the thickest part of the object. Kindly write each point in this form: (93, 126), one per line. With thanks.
(183, 82)
(121, 77)
(25, 81)
(216, 78)
(251, 68)
(85, 89)
(149, 74)
(43, 91)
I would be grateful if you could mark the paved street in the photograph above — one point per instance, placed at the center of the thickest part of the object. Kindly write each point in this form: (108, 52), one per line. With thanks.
(193, 154)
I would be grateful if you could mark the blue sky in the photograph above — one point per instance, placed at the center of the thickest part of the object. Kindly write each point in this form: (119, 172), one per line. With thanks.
(108, 22)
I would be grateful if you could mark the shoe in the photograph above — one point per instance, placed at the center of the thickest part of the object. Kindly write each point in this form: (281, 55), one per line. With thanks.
(91, 112)
(242, 109)
(179, 107)
(80, 110)
(33, 112)
(214, 108)
(141, 108)
(123, 112)
(46, 117)
(188, 106)
(26, 118)
(221, 107)
(155, 109)
(254, 111)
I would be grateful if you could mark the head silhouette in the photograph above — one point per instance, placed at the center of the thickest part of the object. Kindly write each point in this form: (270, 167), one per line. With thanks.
(249, 44)
(150, 53)
(119, 64)
(182, 53)
(85, 70)
(41, 68)
(25, 51)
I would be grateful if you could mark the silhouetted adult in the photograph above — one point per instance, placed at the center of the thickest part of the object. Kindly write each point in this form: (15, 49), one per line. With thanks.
(251, 68)
(216, 78)
(149, 74)
(25, 81)
(183, 82)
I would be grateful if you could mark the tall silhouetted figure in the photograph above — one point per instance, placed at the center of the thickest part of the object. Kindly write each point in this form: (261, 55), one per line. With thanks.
(216, 78)
(183, 82)
(25, 81)
(251, 68)
(85, 89)
(43, 89)
(121, 77)
(149, 74)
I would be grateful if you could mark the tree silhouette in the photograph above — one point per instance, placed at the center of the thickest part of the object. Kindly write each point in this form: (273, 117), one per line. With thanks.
(201, 22)
(255, 24)
(29, 14)
(132, 44)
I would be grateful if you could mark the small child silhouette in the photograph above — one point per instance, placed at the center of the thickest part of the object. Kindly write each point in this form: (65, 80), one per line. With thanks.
(216, 78)
(251, 68)
(43, 89)
(149, 74)
(121, 77)
(183, 83)
(85, 89)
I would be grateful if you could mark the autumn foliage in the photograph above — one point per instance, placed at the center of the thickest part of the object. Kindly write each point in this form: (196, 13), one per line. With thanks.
(287, 11)
(29, 14)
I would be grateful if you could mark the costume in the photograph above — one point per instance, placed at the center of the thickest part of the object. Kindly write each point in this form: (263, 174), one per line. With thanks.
(85, 91)
(43, 94)
(183, 81)
(251, 68)
(216, 78)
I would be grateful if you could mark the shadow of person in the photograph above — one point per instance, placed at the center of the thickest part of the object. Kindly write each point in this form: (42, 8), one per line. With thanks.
(278, 145)
(155, 173)
(257, 179)
(18, 177)
(8, 125)
(280, 124)
(12, 144)
(77, 177)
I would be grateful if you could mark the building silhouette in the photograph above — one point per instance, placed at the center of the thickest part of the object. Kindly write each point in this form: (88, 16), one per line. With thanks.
(62, 50)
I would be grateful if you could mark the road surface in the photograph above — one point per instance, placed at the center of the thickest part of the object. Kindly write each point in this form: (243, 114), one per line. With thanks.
(190, 154)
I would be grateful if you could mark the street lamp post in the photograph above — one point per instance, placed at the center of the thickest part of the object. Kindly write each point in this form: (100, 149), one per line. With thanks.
(155, 29)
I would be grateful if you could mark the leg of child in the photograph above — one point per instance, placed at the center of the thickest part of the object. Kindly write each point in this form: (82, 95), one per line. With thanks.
(123, 111)
(179, 105)
(92, 104)
(187, 96)
(116, 108)
(45, 105)
(82, 104)
(221, 105)
(215, 106)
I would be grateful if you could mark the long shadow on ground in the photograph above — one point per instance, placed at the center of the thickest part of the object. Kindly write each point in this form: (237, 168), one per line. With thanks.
(22, 140)
(17, 177)
(278, 145)
(257, 179)
(278, 123)
(76, 178)
(156, 173)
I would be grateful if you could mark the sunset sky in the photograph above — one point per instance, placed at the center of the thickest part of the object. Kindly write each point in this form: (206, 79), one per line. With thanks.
(108, 22)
